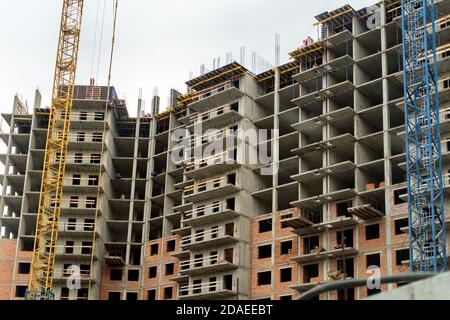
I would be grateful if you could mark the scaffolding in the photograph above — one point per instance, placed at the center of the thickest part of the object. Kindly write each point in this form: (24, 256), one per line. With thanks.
(215, 79)
(267, 79)
(309, 56)
(336, 21)
(423, 145)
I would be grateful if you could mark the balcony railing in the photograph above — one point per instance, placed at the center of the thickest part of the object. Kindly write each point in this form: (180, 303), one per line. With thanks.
(76, 227)
(211, 213)
(204, 262)
(226, 157)
(304, 219)
(80, 204)
(87, 116)
(88, 137)
(211, 114)
(74, 250)
(114, 257)
(206, 210)
(211, 91)
(195, 141)
(214, 234)
(81, 182)
(204, 186)
(206, 288)
(66, 273)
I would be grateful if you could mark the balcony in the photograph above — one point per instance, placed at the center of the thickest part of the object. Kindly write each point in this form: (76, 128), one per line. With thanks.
(76, 229)
(344, 143)
(87, 120)
(208, 290)
(114, 257)
(320, 254)
(216, 118)
(216, 212)
(63, 275)
(212, 238)
(75, 252)
(306, 286)
(201, 191)
(207, 265)
(316, 201)
(344, 251)
(326, 171)
(212, 165)
(197, 142)
(311, 222)
(316, 123)
(215, 96)
(86, 142)
(313, 282)
(20, 141)
(78, 162)
(79, 206)
(81, 185)
(446, 183)
(315, 255)
(367, 211)
(301, 221)
(321, 95)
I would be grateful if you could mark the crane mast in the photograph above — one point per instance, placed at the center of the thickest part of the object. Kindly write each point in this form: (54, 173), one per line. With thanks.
(423, 145)
(50, 201)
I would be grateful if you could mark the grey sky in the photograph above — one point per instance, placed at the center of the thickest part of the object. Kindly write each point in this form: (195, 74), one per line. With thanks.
(158, 42)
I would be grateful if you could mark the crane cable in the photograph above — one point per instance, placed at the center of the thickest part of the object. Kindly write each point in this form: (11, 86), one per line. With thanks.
(99, 189)
(95, 38)
(101, 39)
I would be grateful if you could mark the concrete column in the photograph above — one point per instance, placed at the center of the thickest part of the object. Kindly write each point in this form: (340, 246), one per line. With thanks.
(325, 163)
(276, 142)
(133, 189)
(147, 205)
(386, 140)
(7, 163)
(276, 160)
(24, 199)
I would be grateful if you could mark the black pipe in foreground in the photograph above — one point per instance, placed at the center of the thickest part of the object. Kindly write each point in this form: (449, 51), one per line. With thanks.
(353, 283)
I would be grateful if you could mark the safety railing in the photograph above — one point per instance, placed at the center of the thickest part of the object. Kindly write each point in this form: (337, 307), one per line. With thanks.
(204, 186)
(210, 114)
(87, 116)
(226, 157)
(201, 288)
(76, 227)
(81, 181)
(79, 203)
(86, 137)
(202, 262)
(211, 234)
(205, 210)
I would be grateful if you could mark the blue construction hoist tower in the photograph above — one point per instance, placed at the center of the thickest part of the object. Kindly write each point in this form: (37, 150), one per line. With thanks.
(423, 143)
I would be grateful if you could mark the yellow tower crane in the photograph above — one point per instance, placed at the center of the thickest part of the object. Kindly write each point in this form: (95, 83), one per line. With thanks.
(50, 200)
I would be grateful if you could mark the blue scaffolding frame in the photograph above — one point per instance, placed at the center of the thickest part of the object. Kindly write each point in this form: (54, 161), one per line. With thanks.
(423, 144)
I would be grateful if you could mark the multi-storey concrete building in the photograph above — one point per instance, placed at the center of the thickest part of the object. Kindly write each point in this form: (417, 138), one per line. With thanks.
(219, 226)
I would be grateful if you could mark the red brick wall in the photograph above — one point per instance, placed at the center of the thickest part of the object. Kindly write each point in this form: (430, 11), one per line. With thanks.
(274, 237)
(160, 260)
(160, 282)
(7, 254)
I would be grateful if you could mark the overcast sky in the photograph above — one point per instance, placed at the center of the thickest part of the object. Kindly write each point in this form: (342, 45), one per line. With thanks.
(158, 41)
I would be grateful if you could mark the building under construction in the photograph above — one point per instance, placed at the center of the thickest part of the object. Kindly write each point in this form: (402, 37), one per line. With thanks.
(219, 229)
